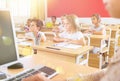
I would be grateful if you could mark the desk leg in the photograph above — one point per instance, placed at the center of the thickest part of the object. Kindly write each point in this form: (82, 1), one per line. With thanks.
(78, 58)
(84, 61)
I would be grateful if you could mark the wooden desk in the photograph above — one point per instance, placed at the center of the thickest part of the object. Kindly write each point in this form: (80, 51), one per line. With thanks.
(20, 32)
(114, 29)
(65, 69)
(65, 54)
(44, 29)
(105, 37)
(95, 40)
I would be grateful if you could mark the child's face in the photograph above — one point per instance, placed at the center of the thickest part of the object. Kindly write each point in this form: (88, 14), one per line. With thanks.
(28, 23)
(67, 25)
(33, 27)
(53, 19)
(113, 7)
(94, 20)
(62, 20)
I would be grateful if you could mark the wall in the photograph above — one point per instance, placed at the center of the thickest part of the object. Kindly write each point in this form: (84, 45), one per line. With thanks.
(82, 8)
(87, 20)
(105, 20)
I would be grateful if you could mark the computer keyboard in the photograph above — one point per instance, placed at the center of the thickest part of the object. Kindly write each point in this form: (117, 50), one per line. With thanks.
(44, 70)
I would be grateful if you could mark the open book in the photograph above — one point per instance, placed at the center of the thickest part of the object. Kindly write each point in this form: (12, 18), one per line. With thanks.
(67, 45)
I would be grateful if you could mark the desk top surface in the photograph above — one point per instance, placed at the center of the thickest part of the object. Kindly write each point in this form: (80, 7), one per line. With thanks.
(101, 37)
(65, 69)
(67, 51)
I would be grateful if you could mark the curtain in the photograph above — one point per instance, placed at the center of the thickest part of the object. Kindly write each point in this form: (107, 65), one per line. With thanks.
(37, 9)
(19, 8)
(25, 8)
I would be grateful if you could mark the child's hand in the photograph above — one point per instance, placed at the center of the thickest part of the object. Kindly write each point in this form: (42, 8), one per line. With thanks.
(56, 30)
(36, 77)
(93, 31)
(68, 40)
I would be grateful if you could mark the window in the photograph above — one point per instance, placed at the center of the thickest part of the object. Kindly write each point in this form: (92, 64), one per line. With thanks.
(19, 8)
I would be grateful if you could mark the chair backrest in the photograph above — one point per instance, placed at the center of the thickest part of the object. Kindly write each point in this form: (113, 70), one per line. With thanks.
(117, 41)
(108, 33)
(84, 27)
(87, 40)
(49, 35)
(117, 38)
(113, 28)
(95, 42)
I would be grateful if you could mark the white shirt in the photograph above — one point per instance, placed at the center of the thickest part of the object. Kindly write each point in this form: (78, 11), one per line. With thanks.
(61, 28)
(74, 36)
(97, 29)
(36, 39)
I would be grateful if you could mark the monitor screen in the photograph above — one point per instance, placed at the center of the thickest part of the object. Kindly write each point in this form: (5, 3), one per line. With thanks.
(8, 52)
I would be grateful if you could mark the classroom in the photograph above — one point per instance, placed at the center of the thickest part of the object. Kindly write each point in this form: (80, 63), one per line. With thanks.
(59, 40)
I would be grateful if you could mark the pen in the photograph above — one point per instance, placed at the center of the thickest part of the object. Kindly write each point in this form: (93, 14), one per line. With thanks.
(53, 48)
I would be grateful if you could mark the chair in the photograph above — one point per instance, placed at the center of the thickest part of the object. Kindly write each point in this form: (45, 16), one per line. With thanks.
(82, 59)
(84, 27)
(117, 41)
(103, 51)
(49, 35)
(108, 33)
(114, 29)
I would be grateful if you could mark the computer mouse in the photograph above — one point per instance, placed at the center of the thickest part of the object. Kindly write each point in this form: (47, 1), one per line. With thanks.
(16, 66)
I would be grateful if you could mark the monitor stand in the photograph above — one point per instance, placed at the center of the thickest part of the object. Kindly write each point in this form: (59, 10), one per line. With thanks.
(16, 66)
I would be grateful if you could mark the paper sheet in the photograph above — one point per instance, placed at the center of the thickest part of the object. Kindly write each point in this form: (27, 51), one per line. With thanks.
(20, 40)
(25, 43)
(67, 45)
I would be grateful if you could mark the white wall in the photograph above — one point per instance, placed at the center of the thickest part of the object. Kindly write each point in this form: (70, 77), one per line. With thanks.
(22, 20)
(103, 20)
(88, 20)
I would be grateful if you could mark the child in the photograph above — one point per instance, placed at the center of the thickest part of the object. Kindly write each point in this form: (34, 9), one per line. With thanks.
(71, 33)
(37, 35)
(27, 26)
(96, 28)
(60, 28)
(54, 21)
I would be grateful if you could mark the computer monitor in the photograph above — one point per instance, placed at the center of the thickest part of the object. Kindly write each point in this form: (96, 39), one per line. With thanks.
(8, 49)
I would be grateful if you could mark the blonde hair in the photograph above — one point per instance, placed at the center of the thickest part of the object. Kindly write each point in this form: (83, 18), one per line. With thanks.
(73, 20)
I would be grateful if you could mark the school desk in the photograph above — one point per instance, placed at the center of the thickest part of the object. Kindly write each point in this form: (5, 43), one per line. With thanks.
(67, 54)
(65, 69)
